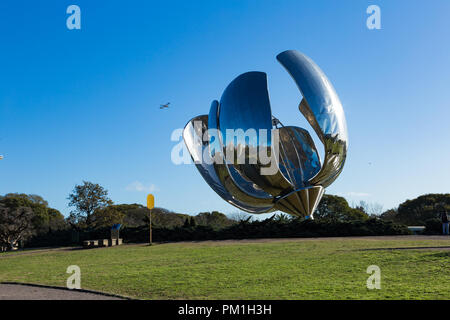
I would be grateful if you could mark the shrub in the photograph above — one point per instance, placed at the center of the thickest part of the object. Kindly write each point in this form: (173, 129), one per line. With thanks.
(433, 226)
(269, 228)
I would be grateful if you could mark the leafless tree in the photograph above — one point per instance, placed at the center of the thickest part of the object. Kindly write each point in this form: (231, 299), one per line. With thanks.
(372, 209)
(239, 216)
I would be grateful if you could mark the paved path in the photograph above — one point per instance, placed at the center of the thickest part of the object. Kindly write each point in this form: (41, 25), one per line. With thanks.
(32, 292)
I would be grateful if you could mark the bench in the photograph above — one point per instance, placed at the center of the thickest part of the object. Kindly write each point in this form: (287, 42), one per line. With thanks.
(102, 243)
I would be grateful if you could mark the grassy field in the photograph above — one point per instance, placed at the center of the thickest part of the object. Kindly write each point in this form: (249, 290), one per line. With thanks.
(253, 269)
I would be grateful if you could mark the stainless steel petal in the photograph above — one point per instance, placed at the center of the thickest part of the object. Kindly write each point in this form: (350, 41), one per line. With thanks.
(323, 110)
(302, 202)
(244, 111)
(300, 159)
(216, 147)
(216, 175)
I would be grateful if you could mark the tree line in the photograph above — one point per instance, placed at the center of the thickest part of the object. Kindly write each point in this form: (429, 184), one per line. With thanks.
(26, 217)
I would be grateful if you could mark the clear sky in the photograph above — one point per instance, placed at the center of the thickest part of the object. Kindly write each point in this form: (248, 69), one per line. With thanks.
(84, 104)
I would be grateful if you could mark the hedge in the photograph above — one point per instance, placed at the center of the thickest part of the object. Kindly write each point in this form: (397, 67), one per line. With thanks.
(244, 230)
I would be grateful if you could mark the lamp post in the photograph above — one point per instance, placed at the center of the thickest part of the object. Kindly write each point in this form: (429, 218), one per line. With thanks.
(150, 206)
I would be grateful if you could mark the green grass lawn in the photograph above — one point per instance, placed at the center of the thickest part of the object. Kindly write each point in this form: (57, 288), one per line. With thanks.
(288, 269)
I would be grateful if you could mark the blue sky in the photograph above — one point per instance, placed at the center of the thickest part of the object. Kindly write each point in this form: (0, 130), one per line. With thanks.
(84, 104)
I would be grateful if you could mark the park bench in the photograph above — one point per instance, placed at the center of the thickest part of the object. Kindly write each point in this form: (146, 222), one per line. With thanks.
(113, 241)
(102, 243)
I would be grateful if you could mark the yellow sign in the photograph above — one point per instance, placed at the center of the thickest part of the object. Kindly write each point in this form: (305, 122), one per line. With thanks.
(150, 201)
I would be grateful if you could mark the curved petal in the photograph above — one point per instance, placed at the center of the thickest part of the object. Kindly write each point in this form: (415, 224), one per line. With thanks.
(244, 111)
(299, 157)
(193, 134)
(323, 110)
(216, 148)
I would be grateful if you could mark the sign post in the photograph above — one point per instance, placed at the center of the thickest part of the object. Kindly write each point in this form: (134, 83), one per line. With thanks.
(150, 206)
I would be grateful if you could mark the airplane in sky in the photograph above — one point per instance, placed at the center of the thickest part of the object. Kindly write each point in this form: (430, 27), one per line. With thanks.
(165, 106)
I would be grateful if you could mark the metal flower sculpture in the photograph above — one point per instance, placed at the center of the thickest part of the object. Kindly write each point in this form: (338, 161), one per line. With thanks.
(299, 179)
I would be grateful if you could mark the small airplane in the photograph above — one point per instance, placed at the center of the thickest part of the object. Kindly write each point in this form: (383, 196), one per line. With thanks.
(1, 157)
(164, 106)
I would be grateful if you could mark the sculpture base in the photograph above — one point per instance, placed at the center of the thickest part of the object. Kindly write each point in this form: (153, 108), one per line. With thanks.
(301, 202)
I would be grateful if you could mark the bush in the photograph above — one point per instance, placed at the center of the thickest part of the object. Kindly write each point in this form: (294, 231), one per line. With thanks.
(269, 228)
(433, 226)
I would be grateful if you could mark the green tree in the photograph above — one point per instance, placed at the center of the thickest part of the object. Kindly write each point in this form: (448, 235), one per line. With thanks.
(136, 215)
(213, 219)
(282, 218)
(86, 199)
(44, 218)
(421, 209)
(389, 215)
(335, 208)
(192, 222)
(107, 216)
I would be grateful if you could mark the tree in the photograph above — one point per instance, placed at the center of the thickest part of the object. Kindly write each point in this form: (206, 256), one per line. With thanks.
(239, 216)
(86, 199)
(421, 209)
(192, 222)
(335, 208)
(15, 225)
(55, 220)
(33, 198)
(373, 209)
(282, 218)
(44, 218)
(389, 215)
(107, 216)
(134, 215)
(186, 223)
(213, 219)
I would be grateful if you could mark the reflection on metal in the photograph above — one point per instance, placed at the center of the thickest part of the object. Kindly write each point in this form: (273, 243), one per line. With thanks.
(217, 175)
(299, 179)
(322, 109)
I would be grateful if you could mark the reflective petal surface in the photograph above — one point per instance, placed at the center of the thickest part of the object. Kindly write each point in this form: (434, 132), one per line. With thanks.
(228, 145)
(216, 175)
(299, 157)
(216, 147)
(323, 110)
(302, 202)
(245, 110)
